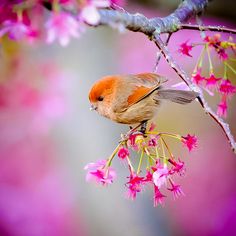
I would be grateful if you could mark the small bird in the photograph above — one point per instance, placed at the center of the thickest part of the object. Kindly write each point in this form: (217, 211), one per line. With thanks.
(134, 99)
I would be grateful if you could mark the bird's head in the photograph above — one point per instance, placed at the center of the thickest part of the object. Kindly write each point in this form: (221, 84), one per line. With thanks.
(102, 93)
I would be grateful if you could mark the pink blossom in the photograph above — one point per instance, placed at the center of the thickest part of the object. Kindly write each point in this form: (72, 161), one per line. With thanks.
(214, 40)
(197, 78)
(16, 30)
(226, 87)
(90, 13)
(158, 196)
(190, 141)
(152, 142)
(61, 26)
(178, 167)
(99, 173)
(148, 177)
(160, 175)
(123, 153)
(176, 190)
(132, 141)
(212, 81)
(222, 108)
(134, 186)
(222, 54)
(185, 49)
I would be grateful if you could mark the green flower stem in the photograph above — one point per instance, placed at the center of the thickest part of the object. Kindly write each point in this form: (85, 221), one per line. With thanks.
(152, 132)
(140, 162)
(153, 157)
(148, 163)
(200, 60)
(225, 71)
(130, 165)
(150, 160)
(148, 155)
(230, 67)
(157, 154)
(108, 164)
(163, 152)
(176, 136)
(209, 59)
(56, 6)
(167, 148)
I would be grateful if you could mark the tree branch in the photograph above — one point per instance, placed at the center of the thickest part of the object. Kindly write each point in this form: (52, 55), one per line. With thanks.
(159, 53)
(183, 75)
(155, 26)
(174, 22)
(138, 22)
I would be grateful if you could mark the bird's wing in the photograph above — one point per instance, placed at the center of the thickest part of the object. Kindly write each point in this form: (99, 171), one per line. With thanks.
(145, 85)
(138, 94)
(142, 85)
(148, 79)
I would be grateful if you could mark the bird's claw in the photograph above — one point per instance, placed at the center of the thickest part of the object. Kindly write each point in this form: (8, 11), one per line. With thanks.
(125, 137)
(143, 128)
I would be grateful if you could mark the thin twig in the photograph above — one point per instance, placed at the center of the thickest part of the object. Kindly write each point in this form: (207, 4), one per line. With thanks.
(207, 28)
(159, 53)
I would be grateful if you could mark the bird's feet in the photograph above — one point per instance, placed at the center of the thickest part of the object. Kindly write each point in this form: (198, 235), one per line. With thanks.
(141, 131)
(143, 128)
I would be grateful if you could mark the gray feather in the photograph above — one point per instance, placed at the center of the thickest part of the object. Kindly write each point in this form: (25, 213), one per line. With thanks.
(177, 96)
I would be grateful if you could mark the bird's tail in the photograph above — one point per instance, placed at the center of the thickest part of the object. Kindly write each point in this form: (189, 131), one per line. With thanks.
(177, 96)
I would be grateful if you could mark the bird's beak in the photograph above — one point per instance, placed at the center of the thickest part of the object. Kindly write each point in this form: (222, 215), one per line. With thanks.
(93, 108)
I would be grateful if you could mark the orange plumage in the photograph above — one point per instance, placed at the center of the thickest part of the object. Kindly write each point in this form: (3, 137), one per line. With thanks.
(132, 99)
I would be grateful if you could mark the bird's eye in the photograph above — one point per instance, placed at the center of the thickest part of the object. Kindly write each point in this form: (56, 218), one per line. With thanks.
(100, 98)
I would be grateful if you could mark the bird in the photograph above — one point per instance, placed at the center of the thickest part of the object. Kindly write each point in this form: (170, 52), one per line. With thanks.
(134, 98)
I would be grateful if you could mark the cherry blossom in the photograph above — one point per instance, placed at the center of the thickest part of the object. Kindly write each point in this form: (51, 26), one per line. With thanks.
(158, 197)
(178, 167)
(190, 141)
(175, 189)
(62, 26)
(212, 82)
(99, 173)
(222, 108)
(222, 54)
(197, 78)
(16, 30)
(185, 49)
(160, 176)
(134, 186)
(226, 87)
(90, 14)
(152, 142)
(123, 153)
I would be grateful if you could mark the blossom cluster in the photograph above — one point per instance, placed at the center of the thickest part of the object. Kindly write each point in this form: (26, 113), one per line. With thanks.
(212, 83)
(157, 166)
(26, 20)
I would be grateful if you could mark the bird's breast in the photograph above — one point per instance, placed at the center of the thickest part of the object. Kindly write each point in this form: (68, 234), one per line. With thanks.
(145, 109)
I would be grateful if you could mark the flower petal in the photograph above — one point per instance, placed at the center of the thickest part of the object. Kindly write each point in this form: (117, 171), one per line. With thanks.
(90, 15)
